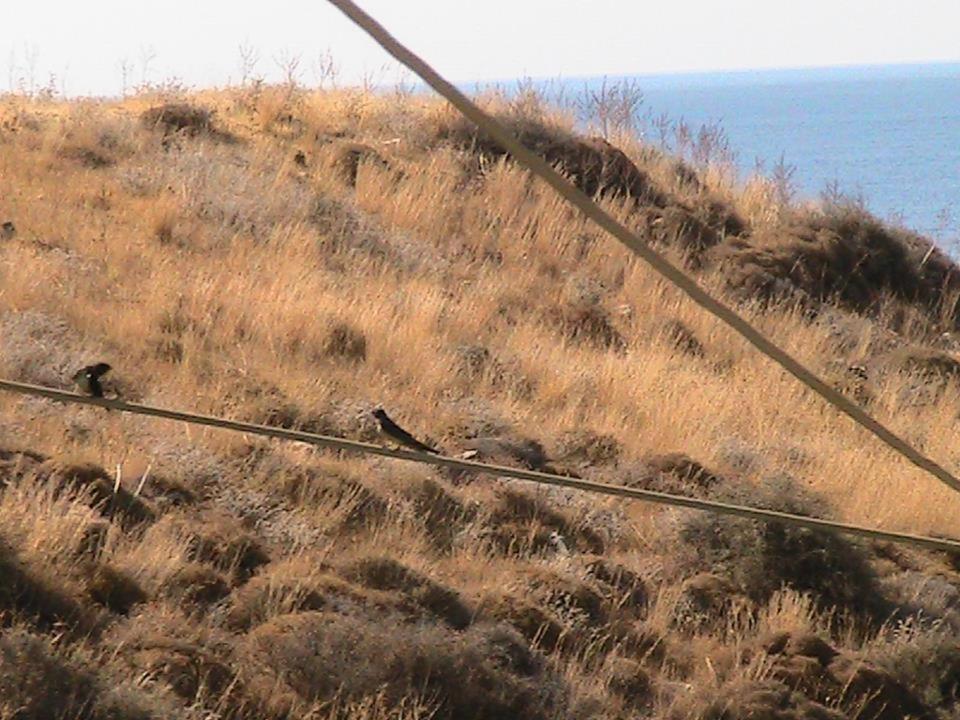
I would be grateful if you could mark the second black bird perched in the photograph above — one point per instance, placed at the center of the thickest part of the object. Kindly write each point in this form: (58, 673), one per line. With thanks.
(88, 378)
(389, 428)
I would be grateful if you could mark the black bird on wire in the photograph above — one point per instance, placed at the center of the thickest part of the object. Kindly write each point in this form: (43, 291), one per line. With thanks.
(393, 431)
(88, 378)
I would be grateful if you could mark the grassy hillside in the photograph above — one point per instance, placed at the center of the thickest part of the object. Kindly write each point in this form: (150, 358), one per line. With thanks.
(296, 259)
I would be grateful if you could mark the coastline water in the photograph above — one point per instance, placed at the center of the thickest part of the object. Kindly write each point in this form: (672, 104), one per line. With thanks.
(887, 134)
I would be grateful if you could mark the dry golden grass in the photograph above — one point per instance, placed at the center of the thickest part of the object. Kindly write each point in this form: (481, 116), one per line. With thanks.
(218, 273)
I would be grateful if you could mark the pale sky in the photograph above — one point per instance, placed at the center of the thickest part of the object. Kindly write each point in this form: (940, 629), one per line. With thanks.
(85, 44)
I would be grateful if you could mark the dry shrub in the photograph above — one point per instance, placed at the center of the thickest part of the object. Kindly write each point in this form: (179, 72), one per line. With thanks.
(538, 625)
(679, 226)
(854, 382)
(178, 118)
(847, 256)
(575, 600)
(290, 586)
(39, 347)
(486, 672)
(926, 363)
(192, 671)
(586, 323)
(347, 498)
(704, 601)
(163, 216)
(196, 662)
(38, 683)
(168, 349)
(675, 473)
(94, 141)
(344, 341)
(593, 621)
(507, 449)
(42, 680)
(926, 373)
(92, 540)
(720, 214)
(522, 523)
(693, 228)
(195, 587)
(344, 230)
(114, 589)
(222, 541)
(875, 694)
(346, 158)
(762, 557)
(97, 485)
(364, 507)
(684, 468)
(25, 595)
(630, 682)
(90, 156)
(259, 401)
(748, 699)
(624, 589)
(926, 661)
(802, 644)
(801, 660)
(442, 514)
(274, 105)
(18, 463)
(167, 491)
(592, 164)
(681, 338)
(382, 573)
(587, 448)
(473, 360)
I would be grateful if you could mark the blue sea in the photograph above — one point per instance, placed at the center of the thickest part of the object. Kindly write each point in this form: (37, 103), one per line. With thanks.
(887, 134)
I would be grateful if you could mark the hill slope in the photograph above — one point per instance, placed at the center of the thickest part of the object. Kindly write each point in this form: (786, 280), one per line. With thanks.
(297, 259)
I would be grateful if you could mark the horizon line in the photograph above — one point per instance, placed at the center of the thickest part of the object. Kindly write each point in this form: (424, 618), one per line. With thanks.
(665, 74)
(726, 71)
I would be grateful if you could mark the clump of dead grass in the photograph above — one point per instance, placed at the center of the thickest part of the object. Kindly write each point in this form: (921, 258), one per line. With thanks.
(487, 672)
(761, 558)
(842, 254)
(383, 573)
(178, 117)
(345, 342)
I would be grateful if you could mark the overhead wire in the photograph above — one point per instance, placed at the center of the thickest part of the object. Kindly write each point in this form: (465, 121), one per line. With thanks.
(469, 466)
